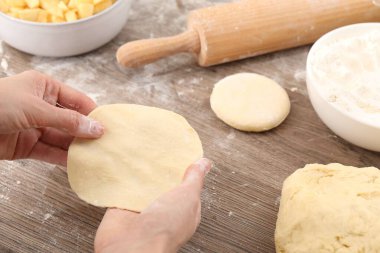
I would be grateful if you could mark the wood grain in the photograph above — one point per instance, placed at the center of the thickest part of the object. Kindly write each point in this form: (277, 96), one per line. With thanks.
(142, 52)
(39, 212)
(247, 28)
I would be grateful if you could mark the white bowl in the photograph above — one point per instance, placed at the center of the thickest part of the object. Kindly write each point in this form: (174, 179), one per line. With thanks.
(65, 39)
(357, 130)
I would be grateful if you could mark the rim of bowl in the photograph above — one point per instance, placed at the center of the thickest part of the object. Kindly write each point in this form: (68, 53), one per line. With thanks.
(104, 12)
(309, 68)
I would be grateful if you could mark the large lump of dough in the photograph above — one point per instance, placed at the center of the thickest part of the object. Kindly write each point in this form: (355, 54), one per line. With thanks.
(144, 152)
(330, 208)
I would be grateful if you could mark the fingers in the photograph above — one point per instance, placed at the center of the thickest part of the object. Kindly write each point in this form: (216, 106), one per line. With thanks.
(53, 91)
(47, 92)
(50, 154)
(75, 100)
(196, 173)
(187, 194)
(67, 97)
(76, 124)
(29, 145)
(76, 105)
(55, 137)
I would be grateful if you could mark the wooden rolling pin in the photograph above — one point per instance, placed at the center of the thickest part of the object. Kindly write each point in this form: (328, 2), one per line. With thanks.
(239, 30)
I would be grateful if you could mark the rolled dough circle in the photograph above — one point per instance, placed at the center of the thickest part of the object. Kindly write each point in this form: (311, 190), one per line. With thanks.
(250, 102)
(143, 153)
(329, 208)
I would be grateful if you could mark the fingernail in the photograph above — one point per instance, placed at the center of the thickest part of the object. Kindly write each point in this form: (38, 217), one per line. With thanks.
(91, 127)
(96, 128)
(204, 164)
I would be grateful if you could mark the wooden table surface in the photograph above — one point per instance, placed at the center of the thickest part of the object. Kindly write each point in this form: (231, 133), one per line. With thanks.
(39, 212)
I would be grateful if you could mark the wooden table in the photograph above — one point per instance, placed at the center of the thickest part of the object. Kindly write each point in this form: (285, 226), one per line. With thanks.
(39, 212)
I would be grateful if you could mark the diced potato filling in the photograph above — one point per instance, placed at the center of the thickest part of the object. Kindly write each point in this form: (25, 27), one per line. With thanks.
(53, 11)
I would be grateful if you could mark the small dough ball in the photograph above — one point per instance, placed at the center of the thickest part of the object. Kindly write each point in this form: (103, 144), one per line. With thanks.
(250, 102)
(143, 153)
(330, 208)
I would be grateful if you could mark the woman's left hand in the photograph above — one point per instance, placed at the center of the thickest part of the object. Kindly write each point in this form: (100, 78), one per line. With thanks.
(32, 125)
(163, 227)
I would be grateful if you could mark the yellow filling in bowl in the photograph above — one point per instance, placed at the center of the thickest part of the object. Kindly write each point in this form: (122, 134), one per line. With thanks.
(53, 11)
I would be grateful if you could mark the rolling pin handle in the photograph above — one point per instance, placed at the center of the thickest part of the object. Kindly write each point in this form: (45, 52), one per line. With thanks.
(138, 53)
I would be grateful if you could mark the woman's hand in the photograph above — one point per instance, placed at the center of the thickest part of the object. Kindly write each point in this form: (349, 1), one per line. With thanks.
(163, 227)
(33, 123)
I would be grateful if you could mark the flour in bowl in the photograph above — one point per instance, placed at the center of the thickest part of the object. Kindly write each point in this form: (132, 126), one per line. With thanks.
(348, 73)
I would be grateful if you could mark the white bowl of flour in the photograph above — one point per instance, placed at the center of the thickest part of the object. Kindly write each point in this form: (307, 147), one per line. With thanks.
(343, 80)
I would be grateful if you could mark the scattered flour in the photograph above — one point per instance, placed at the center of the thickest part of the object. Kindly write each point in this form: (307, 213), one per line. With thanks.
(4, 64)
(3, 60)
(47, 216)
(300, 75)
(207, 199)
(231, 135)
(277, 201)
(5, 197)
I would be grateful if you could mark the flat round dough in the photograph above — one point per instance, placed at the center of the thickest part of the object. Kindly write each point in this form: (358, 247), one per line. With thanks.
(330, 208)
(250, 102)
(143, 153)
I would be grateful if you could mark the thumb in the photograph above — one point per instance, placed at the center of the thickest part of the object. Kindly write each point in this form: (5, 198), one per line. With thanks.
(196, 173)
(68, 120)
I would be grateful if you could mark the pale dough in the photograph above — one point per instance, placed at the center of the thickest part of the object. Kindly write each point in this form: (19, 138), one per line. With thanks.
(250, 102)
(330, 208)
(144, 152)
